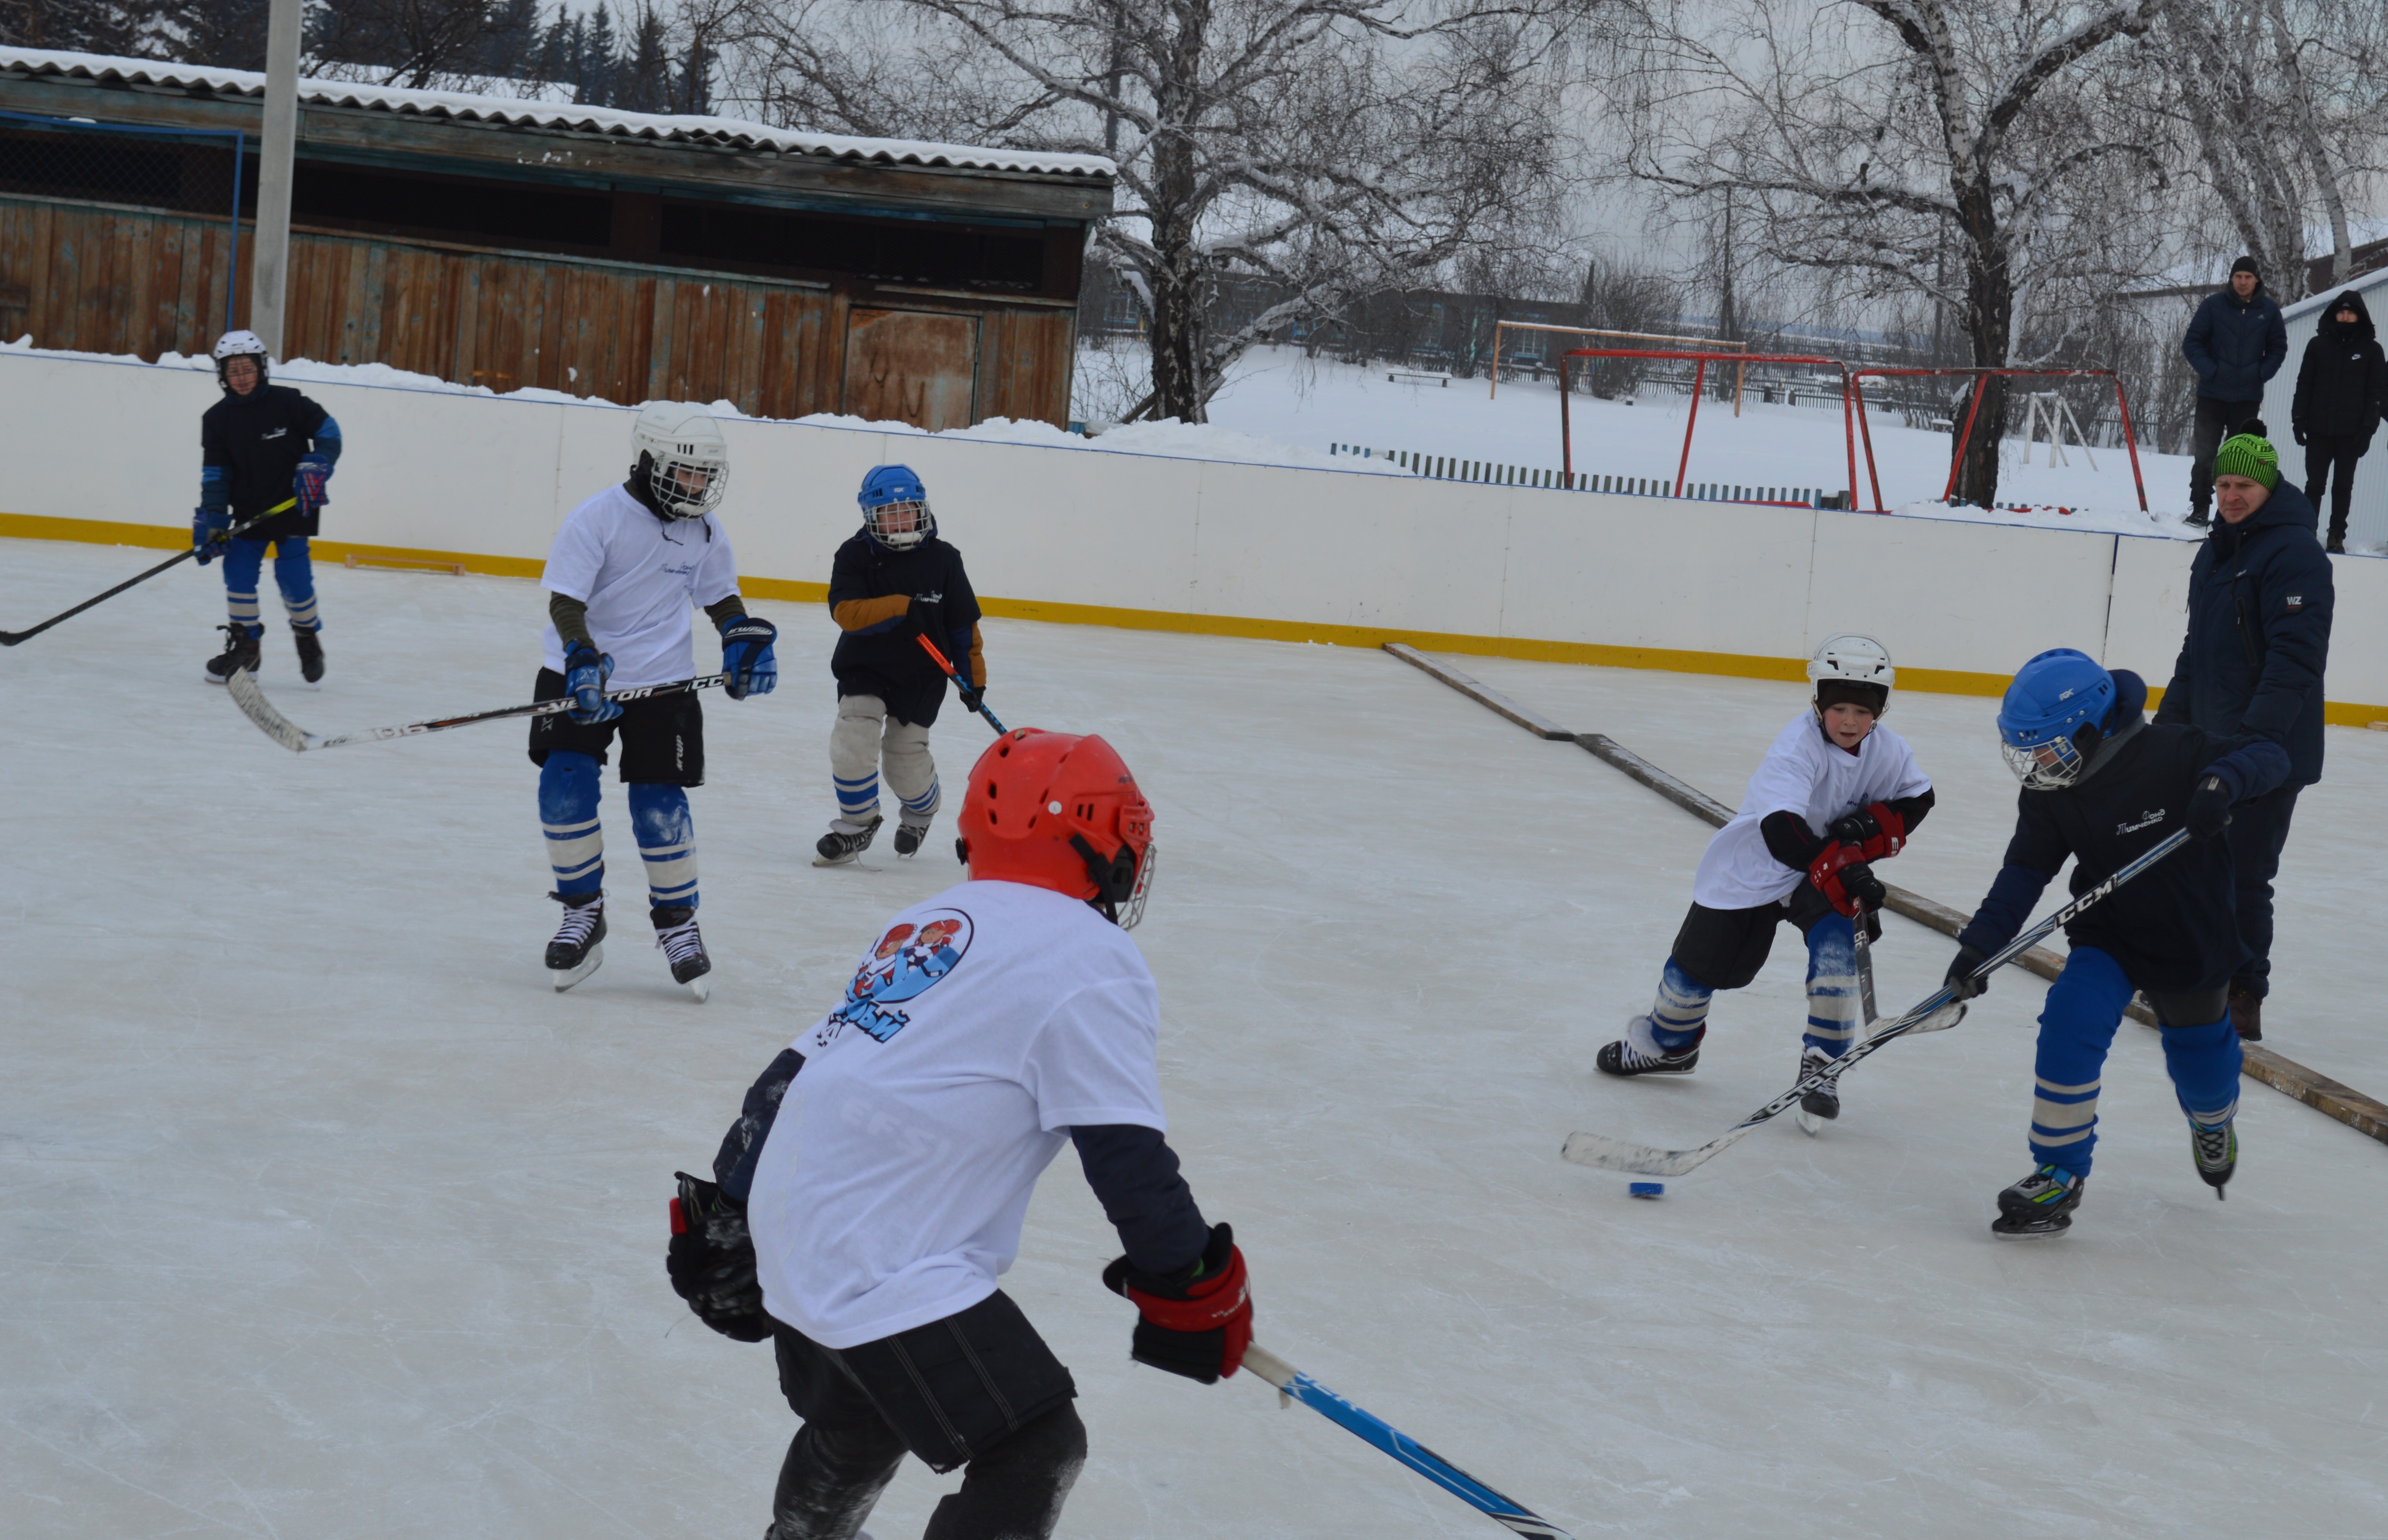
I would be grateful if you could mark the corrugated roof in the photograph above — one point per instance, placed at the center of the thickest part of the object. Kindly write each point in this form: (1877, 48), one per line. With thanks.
(730, 132)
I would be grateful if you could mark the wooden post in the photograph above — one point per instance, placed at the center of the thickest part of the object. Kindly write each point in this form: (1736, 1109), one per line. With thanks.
(268, 271)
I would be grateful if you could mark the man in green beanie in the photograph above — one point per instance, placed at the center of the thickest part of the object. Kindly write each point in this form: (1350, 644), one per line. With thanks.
(2260, 610)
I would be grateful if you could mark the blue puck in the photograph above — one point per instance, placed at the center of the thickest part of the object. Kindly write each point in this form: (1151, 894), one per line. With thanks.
(1646, 1189)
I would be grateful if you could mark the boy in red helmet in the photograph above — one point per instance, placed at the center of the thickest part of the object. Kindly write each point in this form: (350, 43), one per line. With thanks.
(864, 1208)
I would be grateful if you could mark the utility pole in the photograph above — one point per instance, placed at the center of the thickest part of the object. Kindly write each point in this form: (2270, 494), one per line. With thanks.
(269, 263)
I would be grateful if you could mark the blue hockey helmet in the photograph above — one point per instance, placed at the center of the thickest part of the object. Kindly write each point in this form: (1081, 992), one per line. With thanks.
(896, 508)
(2052, 718)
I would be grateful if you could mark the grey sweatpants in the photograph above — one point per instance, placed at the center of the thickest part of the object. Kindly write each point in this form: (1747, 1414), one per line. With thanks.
(865, 740)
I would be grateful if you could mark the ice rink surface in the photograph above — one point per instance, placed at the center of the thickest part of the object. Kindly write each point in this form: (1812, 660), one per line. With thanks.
(325, 1217)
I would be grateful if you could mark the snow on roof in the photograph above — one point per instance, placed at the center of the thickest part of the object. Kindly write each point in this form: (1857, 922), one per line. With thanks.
(732, 132)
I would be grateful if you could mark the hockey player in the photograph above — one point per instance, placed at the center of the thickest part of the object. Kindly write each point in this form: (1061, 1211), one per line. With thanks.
(264, 448)
(1835, 793)
(2101, 786)
(894, 582)
(873, 1189)
(625, 567)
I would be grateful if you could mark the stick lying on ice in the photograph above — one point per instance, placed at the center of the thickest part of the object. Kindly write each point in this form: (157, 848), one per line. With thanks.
(1942, 1010)
(246, 695)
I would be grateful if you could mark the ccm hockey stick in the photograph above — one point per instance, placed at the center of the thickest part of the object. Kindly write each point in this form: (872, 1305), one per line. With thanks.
(1940, 1010)
(243, 688)
(971, 698)
(10, 639)
(1294, 1386)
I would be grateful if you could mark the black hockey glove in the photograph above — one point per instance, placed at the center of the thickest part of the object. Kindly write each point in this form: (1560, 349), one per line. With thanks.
(1961, 980)
(1196, 1321)
(1860, 883)
(921, 614)
(2209, 809)
(712, 1261)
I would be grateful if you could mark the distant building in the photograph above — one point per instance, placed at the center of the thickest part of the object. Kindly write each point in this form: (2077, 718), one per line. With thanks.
(513, 244)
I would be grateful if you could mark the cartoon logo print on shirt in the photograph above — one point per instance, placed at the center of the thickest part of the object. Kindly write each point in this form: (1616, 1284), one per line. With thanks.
(908, 959)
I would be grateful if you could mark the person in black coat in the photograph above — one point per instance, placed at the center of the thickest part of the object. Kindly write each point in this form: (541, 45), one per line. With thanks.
(2251, 666)
(2236, 341)
(892, 584)
(2341, 395)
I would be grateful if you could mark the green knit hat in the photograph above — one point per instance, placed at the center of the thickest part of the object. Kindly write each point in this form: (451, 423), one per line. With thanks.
(2249, 453)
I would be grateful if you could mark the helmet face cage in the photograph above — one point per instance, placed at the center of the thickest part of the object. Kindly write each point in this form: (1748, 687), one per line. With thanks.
(690, 482)
(2047, 766)
(901, 525)
(1132, 912)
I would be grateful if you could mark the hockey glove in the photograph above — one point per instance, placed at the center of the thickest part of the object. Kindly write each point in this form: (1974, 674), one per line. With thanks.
(1961, 980)
(1879, 832)
(1196, 1321)
(308, 486)
(210, 528)
(1840, 873)
(921, 614)
(746, 657)
(2209, 809)
(712, 1261)
(585, 671)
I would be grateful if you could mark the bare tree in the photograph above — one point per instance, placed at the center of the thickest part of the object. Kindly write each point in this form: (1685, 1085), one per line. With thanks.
(1930, 148)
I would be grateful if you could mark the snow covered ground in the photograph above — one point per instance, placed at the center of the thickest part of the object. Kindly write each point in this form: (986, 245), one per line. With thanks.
(325, 1217)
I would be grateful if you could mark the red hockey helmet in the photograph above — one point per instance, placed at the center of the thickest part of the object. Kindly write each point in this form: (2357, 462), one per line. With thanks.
(1059, 812)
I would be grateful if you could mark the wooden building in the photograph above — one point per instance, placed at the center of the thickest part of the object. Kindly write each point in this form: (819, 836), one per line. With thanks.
(510, 244)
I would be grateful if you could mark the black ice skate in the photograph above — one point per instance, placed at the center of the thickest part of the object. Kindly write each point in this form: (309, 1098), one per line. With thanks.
(2042, 1203)
(845, 841)
(574, 955)
(1622, 1058)
(676, 933)
(908, 838)
(240, 651)
(1821, 1103)
(310, 653)
(2215, 1149)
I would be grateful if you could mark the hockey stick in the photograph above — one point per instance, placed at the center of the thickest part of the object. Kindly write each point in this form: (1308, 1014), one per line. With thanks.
(10, 639)
(971, 698)
(1934, 1015)
(298, 740)
(1507, 1513)
(1865, 970)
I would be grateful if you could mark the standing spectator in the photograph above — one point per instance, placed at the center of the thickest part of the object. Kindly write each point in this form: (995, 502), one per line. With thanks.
(2260, 610)
(2341, 395)
(2236, 341)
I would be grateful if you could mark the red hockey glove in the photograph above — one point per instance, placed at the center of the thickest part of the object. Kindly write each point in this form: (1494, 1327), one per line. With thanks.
(1196, 1325)
(1841, 874)
(1879, 832)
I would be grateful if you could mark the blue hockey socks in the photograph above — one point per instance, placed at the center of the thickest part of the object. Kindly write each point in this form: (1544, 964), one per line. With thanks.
(1832, 1013)
(2077, 1028)
(567, 811)
(2204, 1062)
(242, 560)
(1679, 1018)
(294, 574)
(667, 836)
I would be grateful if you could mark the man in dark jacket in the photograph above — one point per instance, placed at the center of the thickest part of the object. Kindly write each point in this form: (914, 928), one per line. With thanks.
(2341, 395)
(2236, 342)
(2251, 666)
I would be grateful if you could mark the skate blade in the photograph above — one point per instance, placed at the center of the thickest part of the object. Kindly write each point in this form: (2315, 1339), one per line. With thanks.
(1809, 1123)
(565, 978)
(701, 987)
(2039, 1232)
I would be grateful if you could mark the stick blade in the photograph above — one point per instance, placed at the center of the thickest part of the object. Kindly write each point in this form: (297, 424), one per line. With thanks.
(253, 705)
(1643, 1160)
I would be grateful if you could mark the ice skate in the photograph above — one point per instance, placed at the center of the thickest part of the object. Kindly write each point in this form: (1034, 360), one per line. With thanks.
(241, 651)
(1622, 1058)
(845, 841)
(908, 838)
(574, 954)
(2216, 1149)
(676, 933)
(1821, 1103)
(2042, 1203)
(310, 653)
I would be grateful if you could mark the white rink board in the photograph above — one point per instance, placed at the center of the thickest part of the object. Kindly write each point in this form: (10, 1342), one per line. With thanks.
(493, 476)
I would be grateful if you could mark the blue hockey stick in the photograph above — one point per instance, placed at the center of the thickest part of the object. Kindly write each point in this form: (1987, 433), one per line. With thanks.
(1511, 1515)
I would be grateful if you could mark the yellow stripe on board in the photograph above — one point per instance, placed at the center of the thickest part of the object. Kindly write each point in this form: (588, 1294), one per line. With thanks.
(1939, 681)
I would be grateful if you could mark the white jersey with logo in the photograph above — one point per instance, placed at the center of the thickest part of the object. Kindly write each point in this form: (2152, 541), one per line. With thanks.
(979, 1028)
(638, 574)
(1807, 773)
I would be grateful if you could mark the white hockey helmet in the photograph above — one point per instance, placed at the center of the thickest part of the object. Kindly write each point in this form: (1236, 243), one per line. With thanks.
(1851, 659)
(233, 345)
(684, 462)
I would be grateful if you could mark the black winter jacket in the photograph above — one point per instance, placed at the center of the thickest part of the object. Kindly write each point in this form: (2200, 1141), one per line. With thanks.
(869, 590)
(2174, 927)
(2235, 345)
(2258, 639)
(250, 448)
(2342, 381)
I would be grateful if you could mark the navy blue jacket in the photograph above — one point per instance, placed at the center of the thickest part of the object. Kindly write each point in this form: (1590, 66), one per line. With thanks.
(2235, 345)
(2174, 927)
(250, 448)
(2258, 639)
(877, 653)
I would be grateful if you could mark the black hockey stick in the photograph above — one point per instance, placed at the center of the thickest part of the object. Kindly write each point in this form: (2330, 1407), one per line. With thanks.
(1940, 1010)
(290, 735)
(971, 698)
(10, 639)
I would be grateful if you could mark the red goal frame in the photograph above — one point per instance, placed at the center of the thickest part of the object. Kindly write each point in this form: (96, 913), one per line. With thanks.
(1699, 380)
(1965, 438)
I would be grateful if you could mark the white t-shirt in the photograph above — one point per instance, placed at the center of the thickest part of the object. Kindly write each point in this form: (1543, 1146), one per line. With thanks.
(637, 575)
(979, 1029)
(1806, 773)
